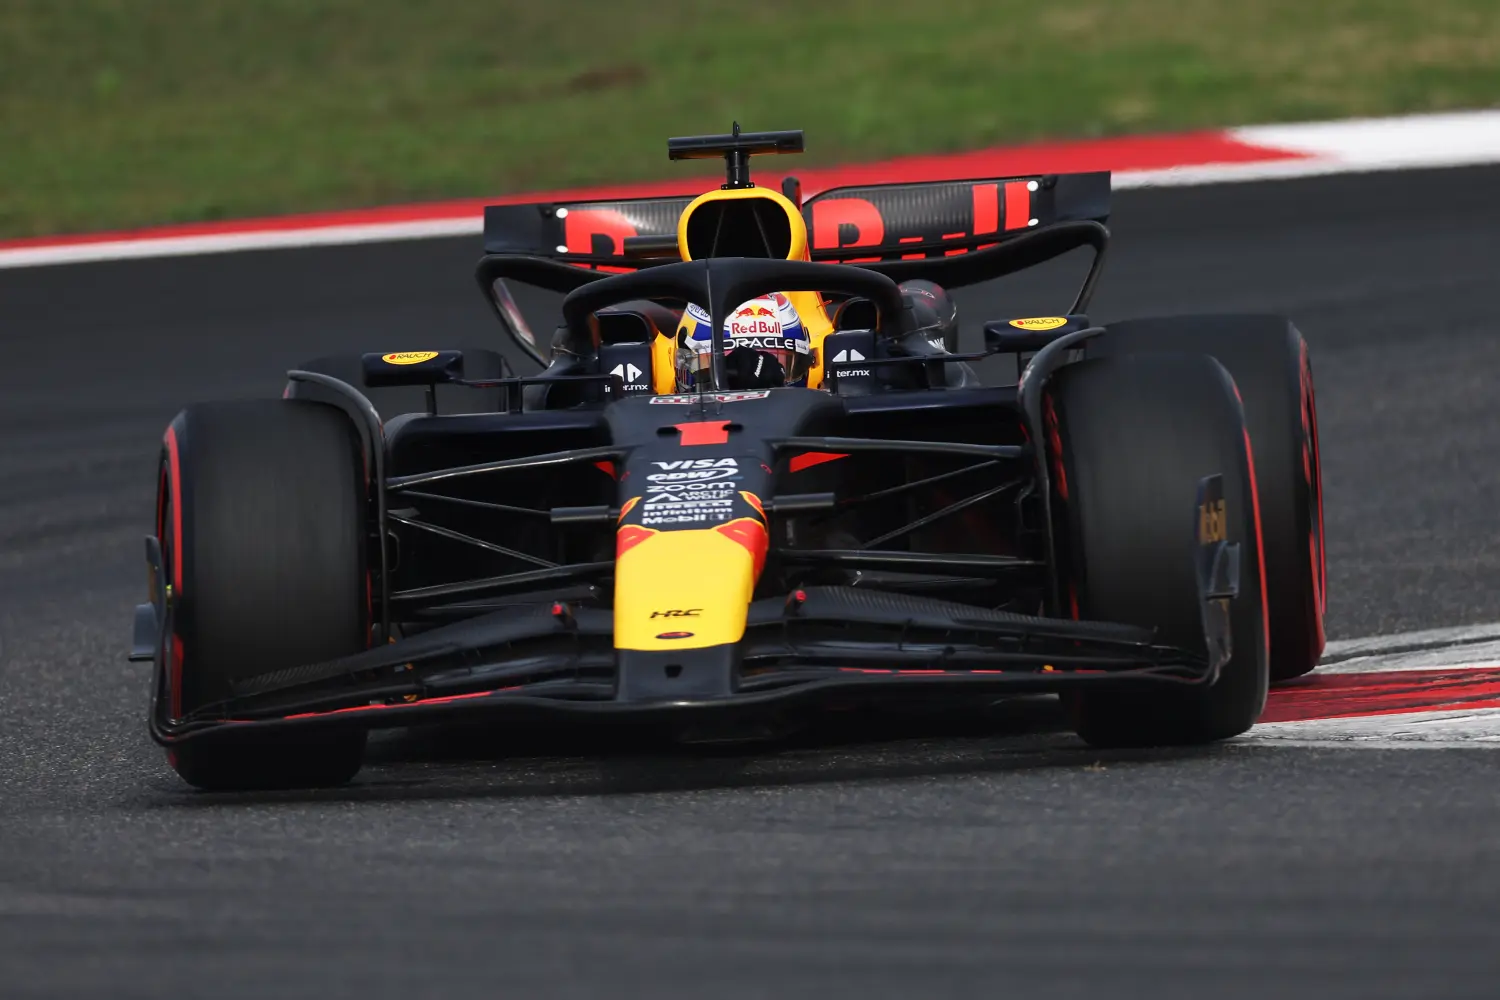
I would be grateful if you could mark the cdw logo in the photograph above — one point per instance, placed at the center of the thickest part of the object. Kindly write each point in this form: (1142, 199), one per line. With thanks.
(696, 475)
(698, 463)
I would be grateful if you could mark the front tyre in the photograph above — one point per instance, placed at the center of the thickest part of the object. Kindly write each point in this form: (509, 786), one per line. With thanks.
(262, 519)
(1132, 437)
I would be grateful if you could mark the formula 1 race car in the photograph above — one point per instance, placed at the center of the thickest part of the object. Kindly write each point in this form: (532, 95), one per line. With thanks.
(751, 478)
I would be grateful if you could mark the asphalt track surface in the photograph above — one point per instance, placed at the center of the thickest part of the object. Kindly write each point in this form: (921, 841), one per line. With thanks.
(1000, 861)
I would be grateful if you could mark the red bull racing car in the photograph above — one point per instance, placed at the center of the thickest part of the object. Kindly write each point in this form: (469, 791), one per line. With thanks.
(749, 477)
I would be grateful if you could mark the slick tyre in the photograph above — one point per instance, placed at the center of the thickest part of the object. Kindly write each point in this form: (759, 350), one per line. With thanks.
(1131, 437)
(262, 519)
(1268, 360)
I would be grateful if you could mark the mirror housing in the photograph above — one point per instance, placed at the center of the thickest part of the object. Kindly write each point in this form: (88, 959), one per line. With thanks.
(1022, 336)
(412, 368)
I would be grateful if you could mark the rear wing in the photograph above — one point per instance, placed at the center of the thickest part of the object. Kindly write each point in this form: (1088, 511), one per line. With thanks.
(865, 224)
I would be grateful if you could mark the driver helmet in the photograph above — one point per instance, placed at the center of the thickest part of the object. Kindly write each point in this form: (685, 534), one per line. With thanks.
(765, 346)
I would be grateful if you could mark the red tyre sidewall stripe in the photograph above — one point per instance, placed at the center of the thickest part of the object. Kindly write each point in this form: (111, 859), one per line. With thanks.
(174, 477)
(364, 464)
(1313, 470)
(1260, 548)
(174, 651)
(1054, 442)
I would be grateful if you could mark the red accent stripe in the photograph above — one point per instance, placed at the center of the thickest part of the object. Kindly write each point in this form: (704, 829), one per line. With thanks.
(704, 432)
(808, 459)
(1017, 205)
(1054, 442)
(1150, 152)
(445, 699)
(987, 208)
(174, 472)
(175, 650)
(905, 672)
(751, 534)
(629, 536)
(1260, 548)
(1313, 469)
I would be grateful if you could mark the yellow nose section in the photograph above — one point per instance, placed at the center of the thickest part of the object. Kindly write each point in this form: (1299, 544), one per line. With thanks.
(685, 589)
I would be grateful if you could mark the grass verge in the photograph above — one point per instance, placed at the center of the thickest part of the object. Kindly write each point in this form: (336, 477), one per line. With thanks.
(133, 112)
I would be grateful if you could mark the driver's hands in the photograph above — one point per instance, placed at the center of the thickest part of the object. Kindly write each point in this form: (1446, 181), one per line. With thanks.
(748, 368)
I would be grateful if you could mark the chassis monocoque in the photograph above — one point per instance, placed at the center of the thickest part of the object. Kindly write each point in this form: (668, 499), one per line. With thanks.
(1134, 523)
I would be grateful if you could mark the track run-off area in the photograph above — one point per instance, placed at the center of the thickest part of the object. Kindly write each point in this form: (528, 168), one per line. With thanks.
(1347, 847)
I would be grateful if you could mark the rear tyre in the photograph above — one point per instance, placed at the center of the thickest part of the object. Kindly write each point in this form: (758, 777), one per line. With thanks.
(1132, 437)
(1268, 360)
(262, 517)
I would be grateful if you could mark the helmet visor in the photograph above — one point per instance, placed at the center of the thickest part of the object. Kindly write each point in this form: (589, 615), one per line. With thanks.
(693, 369)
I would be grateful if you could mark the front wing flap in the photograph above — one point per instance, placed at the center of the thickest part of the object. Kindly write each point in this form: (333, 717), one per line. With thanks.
(814, 646)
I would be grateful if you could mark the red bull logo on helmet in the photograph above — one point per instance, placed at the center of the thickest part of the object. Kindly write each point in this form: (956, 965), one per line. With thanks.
(757, 327)
(770, 321)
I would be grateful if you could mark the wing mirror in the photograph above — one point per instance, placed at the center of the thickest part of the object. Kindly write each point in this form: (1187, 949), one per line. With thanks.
(1022, 336)
(412, 368)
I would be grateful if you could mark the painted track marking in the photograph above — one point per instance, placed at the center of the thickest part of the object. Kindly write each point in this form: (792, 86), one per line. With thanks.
(1431, 689)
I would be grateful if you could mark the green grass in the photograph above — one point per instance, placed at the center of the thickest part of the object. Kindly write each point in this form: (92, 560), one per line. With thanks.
(133, 112)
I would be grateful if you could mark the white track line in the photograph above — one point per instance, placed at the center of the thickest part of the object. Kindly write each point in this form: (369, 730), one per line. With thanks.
(286, 239)
(1273, 170)
(1467, 646)
(1362, 145)
(1478, 728)
(1412, 142)
(1343, 649)
(1481, 655)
